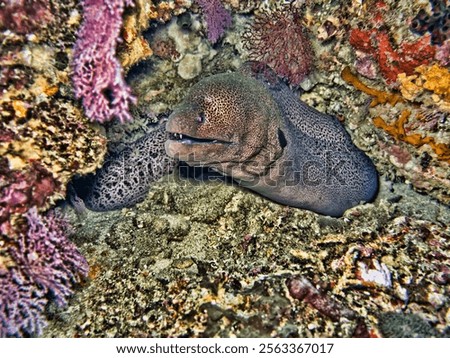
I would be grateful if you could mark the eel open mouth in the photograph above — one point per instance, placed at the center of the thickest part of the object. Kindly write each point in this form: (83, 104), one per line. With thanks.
(185, 139)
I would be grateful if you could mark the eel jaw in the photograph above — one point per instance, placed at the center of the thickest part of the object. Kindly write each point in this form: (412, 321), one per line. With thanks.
(193, 149)
(188, 140)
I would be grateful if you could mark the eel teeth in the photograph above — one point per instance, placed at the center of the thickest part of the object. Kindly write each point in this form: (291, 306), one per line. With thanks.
(177, 136)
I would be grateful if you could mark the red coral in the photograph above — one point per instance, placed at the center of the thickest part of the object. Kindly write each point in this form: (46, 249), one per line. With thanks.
(21, 190)
(278, 39)
(392, 61)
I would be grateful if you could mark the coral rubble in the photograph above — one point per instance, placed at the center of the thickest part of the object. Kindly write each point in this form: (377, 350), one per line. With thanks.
(211, 260)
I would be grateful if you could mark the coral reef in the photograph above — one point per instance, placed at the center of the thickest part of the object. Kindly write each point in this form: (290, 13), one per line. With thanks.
(212, 260)
(165, 48)
(401, 325)
(209, 259)
(392, 61)
(21, 190)
(397, 130)
(183, 53)
(443, 54)
(45, 138)
(431, 83)
(279, 40)
(430, 87)
(380, 97)
(145, 13)
(435, 79)
(44, 145)
(382, 44)
(243, 6)
(24, 16)
(44, 141)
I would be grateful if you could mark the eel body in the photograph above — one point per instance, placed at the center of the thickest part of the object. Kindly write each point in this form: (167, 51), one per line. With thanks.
(252, 127)
(249, 126)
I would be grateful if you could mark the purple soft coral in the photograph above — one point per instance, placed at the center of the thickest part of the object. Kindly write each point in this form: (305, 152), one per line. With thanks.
(40, 265)
(97, 74)
(217, 18)
(24, 16)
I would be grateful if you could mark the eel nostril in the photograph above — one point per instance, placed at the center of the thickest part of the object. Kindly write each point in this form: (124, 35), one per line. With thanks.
(201, 118)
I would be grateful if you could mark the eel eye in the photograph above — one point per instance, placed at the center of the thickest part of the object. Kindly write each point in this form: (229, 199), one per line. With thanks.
(201, 118)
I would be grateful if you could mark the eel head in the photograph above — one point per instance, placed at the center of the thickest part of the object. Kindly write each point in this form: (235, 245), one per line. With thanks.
(227, 122)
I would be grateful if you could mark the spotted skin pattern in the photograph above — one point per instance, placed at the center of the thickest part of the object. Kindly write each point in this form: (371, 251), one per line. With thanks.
(250, 126)
(125, 178)
(265, 138)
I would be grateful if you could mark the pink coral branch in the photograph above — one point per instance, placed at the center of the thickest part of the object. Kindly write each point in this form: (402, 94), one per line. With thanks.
(97, 74)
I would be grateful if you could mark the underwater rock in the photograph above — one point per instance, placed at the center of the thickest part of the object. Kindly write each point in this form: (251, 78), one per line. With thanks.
(405, 325)
(190, 66)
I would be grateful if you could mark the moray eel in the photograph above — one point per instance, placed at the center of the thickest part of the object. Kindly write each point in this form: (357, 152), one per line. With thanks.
(249, 125)
(125, 178)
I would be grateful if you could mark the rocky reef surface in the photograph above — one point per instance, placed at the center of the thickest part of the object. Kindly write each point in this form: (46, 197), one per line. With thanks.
(214, 260)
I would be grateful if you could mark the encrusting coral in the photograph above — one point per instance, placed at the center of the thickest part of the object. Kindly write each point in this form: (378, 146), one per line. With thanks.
(392, 58)
(426, 79)
(137, 20)
(380, 97)
(434, 79)
(49, 140)
(397, 130)
(392, 61)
